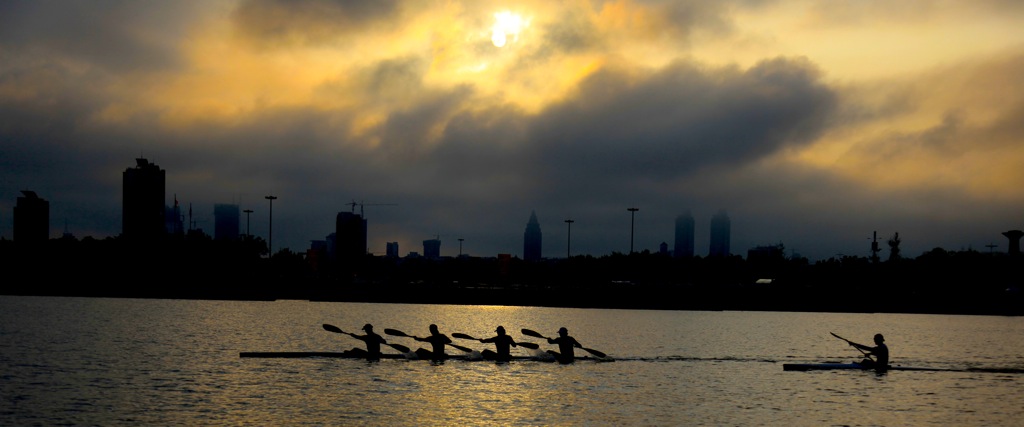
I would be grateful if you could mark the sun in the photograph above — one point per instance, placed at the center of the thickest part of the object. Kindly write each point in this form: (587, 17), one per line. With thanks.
(506, 28)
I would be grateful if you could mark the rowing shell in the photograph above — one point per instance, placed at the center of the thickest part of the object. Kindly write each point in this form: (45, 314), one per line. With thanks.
(346, 355)
(847, 366)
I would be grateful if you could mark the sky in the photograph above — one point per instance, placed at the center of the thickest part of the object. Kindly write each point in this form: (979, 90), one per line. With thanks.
(812, 124)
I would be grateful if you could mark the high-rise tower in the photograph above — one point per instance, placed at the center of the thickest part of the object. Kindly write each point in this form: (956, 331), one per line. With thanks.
(142, 208)
(719, 235)
(532, 239)
(31, 219)
(684, 236)
(432, 248)
(349, 240)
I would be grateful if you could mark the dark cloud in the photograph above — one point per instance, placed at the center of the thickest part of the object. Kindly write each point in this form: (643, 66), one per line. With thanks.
(680, 119)
(285, 22)
(116, 35)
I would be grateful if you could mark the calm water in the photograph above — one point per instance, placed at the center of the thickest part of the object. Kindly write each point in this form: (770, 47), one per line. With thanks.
(82, 361)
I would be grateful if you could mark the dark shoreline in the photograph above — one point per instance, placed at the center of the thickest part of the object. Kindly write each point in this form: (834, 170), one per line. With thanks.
(631, 297)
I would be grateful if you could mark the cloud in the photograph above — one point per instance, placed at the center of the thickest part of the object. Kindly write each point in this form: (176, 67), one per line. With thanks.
(116, 35)
(284, 22)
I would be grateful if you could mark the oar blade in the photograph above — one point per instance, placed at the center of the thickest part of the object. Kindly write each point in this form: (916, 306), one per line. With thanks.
(465, 349)
(462, 336)
(333, 328)
(595, 352)
(400, 348)
(395, 332)
(532, 333)
(529, 345)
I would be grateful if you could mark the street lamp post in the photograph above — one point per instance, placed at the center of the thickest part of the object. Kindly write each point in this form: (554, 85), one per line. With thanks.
(270, 232)
(460, 246)
(632, 214)
(568, 238)
(247, 212)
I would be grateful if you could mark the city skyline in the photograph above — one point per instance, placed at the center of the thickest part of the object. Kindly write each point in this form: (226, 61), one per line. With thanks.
(813, 124)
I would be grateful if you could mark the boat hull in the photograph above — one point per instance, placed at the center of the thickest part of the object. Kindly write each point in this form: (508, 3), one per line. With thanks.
(399, 356)
(848, 366)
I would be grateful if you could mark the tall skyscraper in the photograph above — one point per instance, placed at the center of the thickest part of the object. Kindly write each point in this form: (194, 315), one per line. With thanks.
(432, 248)
(391, 250)
(31, 219)
(719, 235)
(532, 239)
(684, 236)
(142, 209)
(349, 238)
(226, 221)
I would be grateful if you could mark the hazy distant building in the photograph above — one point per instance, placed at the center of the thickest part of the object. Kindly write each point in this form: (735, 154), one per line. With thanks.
(349, 240)
(173, 220)
(684, 236)
(332, 246)
(392, 250)
(226, 221)
(532, 239)
(663, 248)
(432, 248)
(719, 235)
(1014, 236)
(142, 207)
(31, 219)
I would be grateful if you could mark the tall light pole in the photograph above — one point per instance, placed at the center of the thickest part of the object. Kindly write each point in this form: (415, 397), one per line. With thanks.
(568, 238)
(247, 212)
(270, 233)
(460, 246)
(632, 213)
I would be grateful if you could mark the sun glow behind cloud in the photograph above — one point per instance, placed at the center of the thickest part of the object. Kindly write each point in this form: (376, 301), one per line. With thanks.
(506, 28)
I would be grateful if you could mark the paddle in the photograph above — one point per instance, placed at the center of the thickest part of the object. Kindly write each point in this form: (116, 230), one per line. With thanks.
(398, 333)
(851, 345)
(536, 334)
(528, 345)
(335, 329)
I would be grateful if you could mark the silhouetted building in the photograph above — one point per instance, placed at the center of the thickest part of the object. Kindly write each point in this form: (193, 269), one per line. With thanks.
(719, 235)
(349, 240)
(532, 239)
(142, 210)
(392, 250)
(684, 236)
(766, 254)
(432, 248)
(31, 219)
(226, 221)
(1014, 236)
(663, 248)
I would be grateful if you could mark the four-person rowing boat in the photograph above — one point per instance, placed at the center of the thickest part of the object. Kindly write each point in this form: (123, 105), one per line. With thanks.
(469, 357)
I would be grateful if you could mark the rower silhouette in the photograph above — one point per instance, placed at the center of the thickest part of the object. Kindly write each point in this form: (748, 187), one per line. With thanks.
(502, 343)
(566, 346)
(437, 342)
(373, 342)
(880, 351)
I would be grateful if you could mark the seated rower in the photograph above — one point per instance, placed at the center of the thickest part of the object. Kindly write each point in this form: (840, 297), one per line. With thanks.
(880, 351)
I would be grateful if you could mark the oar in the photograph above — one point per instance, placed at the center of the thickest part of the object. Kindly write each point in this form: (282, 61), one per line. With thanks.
(529, 345)
(536, 334)
(335, 329)
(398, 333)
(851, 344)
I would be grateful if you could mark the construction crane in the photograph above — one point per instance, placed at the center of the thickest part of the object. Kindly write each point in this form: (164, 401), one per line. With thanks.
(362, 206)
